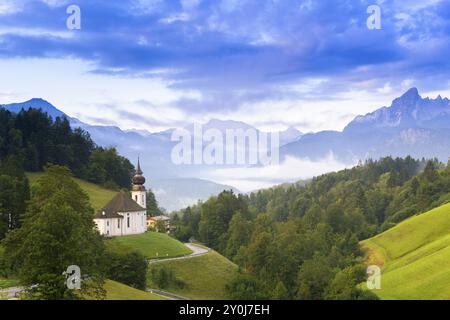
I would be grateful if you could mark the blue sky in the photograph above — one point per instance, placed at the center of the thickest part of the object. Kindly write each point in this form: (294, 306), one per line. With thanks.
(155, 64)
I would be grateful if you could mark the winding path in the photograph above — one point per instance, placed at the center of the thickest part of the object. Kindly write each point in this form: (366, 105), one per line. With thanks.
(196, 252)
(11, 292)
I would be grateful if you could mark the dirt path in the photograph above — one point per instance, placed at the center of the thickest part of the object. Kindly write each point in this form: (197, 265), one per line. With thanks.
(196, 251)
(11, 292)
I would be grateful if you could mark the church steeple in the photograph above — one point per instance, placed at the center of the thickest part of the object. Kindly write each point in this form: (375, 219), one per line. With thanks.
(138, 192)
(138, 178)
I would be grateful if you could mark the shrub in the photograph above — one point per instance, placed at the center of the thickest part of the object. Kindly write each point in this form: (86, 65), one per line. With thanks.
(164, 278)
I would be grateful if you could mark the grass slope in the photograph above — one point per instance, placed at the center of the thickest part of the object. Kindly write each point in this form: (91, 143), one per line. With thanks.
(6, 283)
(119, 291)
(98, 196)
(414, 256)
(204, 276)
(150, 244)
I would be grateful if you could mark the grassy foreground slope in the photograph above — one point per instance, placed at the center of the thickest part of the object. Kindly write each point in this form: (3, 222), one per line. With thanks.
(98, 196)
(204, 277)
(150, 244)
(119, 291)
(414, 256)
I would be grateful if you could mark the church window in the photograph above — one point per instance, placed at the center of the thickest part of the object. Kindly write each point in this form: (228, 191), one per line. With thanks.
(128, 222)
(118, 223)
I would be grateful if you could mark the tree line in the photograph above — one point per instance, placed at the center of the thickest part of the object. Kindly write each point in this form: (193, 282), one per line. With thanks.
(301, 241)
(36, 139)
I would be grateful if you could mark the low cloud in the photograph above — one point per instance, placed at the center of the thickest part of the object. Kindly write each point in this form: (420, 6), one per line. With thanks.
(291, 170)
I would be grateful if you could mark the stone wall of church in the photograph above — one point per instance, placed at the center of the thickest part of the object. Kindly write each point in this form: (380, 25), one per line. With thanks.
(132, 223)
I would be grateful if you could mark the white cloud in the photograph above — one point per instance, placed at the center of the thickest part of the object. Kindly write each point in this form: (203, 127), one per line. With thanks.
(414, 5)
(36, 32)
(70, 87)
(10, 7)
(190, 4)
(311, 114)
(175, 18)
(146, 6)
(56, 3)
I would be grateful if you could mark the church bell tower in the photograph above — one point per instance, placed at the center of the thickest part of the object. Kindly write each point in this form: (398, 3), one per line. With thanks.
(138, 192)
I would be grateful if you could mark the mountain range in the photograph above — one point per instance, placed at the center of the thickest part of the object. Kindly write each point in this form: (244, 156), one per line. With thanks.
(175, 186)
(411, 125)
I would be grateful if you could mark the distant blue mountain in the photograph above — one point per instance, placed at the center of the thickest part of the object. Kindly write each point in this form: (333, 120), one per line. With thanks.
(412, 125)
(35, 103)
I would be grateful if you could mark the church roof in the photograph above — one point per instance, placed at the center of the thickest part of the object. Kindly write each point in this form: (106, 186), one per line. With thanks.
(120, 203)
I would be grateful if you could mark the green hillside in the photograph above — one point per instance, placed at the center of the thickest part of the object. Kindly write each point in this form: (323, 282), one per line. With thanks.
(414, 256)
(119, 291)
(99, 196)
(204, 277)
(6, 283)
(150, 244)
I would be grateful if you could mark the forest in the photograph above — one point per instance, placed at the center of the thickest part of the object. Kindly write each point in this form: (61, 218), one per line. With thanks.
(301, 241)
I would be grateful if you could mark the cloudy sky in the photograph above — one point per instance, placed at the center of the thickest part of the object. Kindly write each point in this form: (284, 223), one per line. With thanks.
(155, 64)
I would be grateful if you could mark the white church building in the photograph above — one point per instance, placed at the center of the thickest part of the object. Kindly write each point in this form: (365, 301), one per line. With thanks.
(125, 215)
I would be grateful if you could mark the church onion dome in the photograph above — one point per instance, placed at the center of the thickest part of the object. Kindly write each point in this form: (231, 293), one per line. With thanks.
(138, 179)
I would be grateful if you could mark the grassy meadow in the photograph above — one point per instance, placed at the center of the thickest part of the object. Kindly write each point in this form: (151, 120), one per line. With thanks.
(98, 196)
(150, 244)
(414, 256)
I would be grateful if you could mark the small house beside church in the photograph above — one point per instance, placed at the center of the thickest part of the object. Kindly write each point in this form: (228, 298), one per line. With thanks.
(152, 222)
(125, 215)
